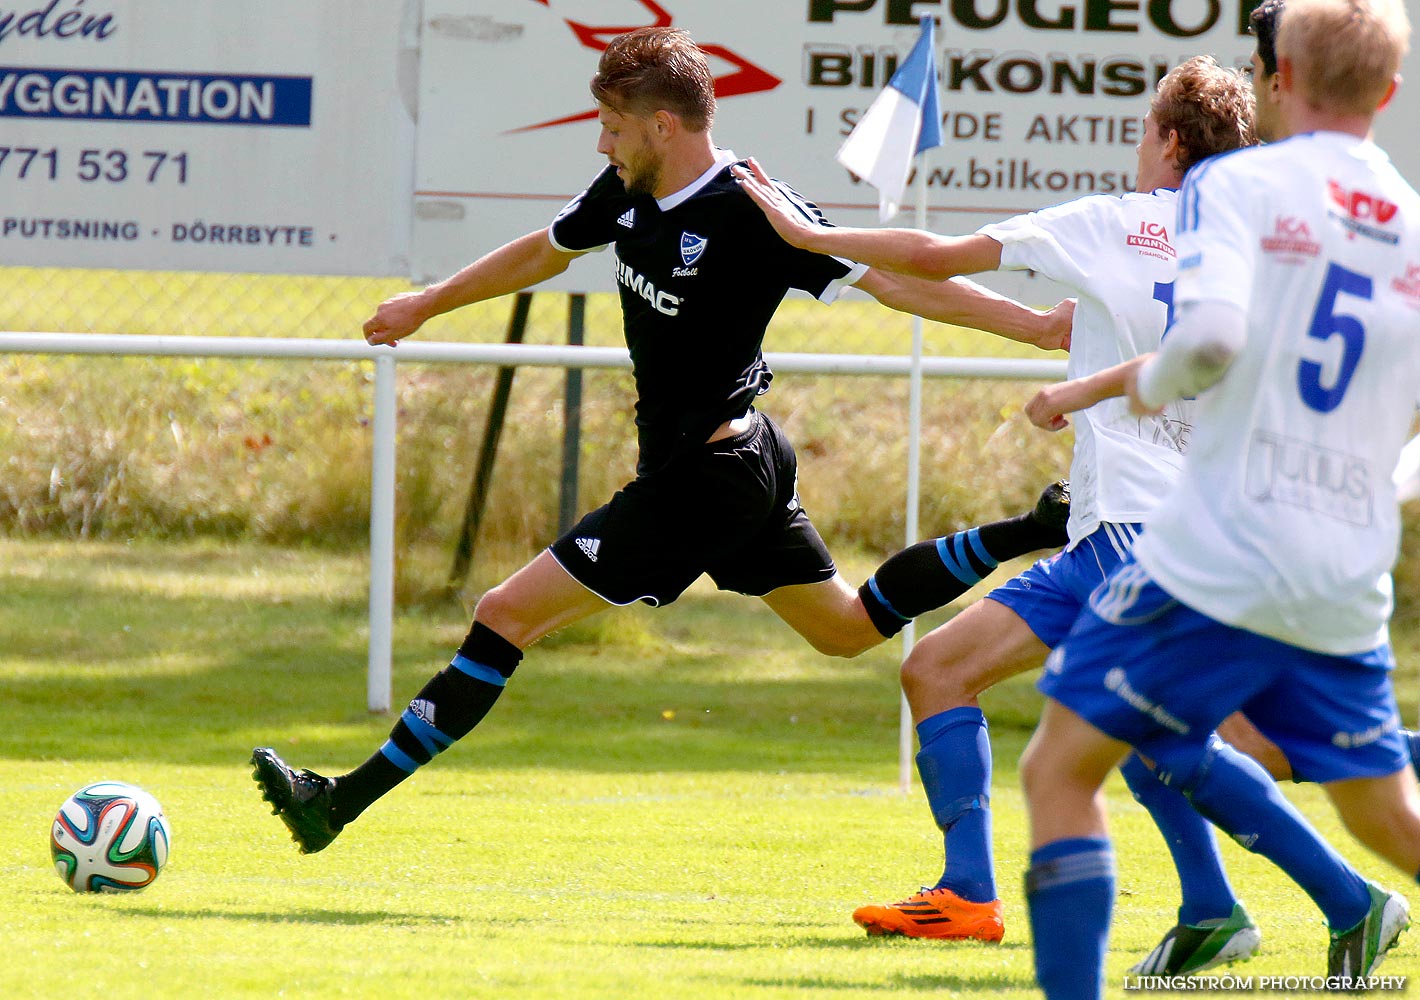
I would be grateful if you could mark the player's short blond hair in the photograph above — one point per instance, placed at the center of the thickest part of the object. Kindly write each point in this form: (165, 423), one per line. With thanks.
(1345, 53)
(1208, 105)
(650, 69)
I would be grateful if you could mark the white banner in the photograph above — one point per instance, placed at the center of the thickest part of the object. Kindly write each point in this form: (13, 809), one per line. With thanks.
(1042, 102)
(258, 136)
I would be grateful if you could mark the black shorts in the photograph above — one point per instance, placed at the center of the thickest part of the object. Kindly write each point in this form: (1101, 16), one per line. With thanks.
(729, 509)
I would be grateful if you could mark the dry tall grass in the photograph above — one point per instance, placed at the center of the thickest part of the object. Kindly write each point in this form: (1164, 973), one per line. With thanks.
(279, 451)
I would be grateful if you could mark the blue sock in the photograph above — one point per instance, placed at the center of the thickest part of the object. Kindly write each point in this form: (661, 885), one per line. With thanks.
(1207, 895)
(1240, 797)
(955, 765)
(1070, 890)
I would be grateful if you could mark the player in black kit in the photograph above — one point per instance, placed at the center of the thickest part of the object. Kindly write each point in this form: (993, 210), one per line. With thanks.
(700, 273)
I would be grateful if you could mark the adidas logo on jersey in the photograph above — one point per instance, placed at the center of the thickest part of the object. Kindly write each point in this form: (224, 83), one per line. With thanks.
(590, 547)
(627, 219)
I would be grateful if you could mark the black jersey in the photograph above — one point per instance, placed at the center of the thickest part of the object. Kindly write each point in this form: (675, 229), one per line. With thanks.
(700, 274)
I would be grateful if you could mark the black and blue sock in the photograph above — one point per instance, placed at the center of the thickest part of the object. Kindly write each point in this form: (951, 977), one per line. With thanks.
(932, 574)
(444, 711)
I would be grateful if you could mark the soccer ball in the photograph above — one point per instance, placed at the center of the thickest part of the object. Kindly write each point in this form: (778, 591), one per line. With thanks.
(109, 837)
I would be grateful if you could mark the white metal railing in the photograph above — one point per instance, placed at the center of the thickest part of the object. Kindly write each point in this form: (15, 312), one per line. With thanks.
(382, 470)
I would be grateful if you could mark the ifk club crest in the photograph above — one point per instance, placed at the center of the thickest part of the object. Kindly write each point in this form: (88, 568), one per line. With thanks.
(691, 247)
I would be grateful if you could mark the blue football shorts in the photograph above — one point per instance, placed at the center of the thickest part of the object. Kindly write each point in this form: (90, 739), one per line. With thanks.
(1147, 669)
(1051, 594)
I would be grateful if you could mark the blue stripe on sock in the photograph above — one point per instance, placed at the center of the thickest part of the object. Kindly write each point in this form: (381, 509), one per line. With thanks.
(1070, 888)
(965, 575)
(478, 671)
(399, 758)
(959, 550)
(1066, 846)
(873, 589)
(974, 537)
(1075, 868)
(1074, 859)
(431, 739)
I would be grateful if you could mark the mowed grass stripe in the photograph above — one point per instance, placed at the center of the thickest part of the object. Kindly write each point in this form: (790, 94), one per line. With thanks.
(579, 844)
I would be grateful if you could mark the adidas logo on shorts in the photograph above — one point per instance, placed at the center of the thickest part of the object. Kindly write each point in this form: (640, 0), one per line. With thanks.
(590, 547)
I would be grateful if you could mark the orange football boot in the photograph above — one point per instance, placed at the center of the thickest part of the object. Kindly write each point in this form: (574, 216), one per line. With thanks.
(934, 913)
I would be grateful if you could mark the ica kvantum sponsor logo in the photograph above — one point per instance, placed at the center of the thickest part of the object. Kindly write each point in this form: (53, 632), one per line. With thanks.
(1291, 237)
(1152, 240)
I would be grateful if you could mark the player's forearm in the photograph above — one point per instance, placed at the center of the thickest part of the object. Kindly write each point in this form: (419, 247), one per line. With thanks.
(524, 262)
(1047, 408)
(1197, 352)
(903, 251)
(1088, 390)
(962, 303)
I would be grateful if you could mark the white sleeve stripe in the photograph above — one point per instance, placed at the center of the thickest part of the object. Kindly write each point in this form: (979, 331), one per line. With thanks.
(856, 270)
(799, 202)
(558, 246)
(835, 287)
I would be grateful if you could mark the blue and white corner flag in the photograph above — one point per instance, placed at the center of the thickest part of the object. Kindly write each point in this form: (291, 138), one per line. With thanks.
(903, 121)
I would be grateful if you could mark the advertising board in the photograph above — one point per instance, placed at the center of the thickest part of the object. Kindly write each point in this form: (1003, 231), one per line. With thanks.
(261, 136)
(1042, 101)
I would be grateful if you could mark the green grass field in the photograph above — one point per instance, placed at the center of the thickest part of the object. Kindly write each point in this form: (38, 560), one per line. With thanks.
(581, 844)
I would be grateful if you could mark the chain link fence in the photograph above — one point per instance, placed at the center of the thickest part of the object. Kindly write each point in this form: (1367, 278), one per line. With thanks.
(99, 447)
(279, 451)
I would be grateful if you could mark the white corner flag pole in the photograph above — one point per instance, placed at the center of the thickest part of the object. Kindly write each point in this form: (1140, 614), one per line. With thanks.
(903, 123)
(914, 480)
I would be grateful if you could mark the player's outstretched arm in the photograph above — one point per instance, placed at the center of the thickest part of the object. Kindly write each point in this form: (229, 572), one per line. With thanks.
(906, 251)
(964, 303)
(1198, 351)
(1048, 407)
(512, 267)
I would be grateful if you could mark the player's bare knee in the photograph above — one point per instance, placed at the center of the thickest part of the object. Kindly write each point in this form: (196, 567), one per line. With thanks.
(916, 676)
(936, 684)
(500, 613)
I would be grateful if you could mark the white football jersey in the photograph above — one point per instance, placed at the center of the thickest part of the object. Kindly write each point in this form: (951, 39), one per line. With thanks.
(1117, 255)
(1285, 519)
